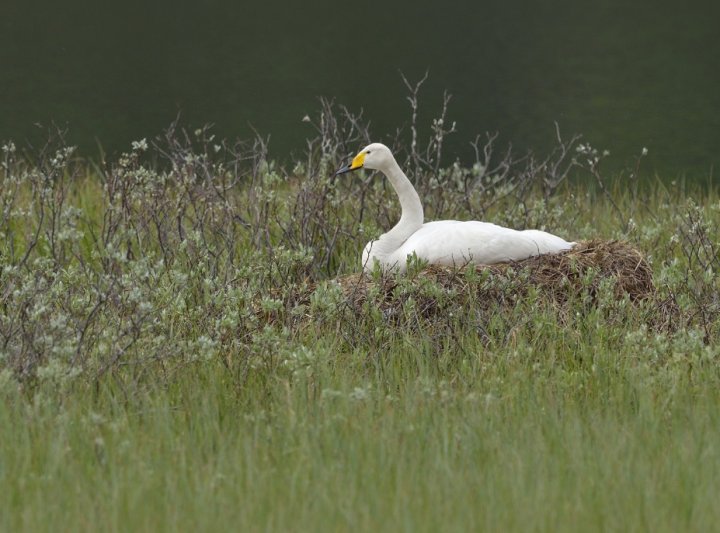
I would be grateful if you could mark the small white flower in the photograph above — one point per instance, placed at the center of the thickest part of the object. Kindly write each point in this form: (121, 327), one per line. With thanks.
(644, 151)
(140, 145)
(359, 394)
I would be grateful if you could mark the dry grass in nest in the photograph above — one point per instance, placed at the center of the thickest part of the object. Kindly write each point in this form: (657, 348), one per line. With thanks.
(555, 274)
(558, 279)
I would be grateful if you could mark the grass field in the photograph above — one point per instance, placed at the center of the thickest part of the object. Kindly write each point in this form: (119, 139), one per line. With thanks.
(155, 374)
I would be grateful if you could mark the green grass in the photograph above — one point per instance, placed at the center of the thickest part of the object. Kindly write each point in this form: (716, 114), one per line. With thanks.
(586, 437)
(182, 409)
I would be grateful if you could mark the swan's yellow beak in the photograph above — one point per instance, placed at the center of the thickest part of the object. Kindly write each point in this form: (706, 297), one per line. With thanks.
(357, 163)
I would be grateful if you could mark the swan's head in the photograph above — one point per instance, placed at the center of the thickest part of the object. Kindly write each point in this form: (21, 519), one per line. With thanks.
(375, 156)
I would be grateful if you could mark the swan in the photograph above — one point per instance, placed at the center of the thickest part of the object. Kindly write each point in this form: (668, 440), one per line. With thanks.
(444, 242)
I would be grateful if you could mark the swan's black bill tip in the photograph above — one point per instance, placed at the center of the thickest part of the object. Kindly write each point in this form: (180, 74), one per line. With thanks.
(344, 170)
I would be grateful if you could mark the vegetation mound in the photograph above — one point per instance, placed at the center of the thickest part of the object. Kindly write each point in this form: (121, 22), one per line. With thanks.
(594, 272)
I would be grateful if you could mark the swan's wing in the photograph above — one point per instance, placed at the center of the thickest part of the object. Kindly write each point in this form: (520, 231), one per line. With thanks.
(450, 242)
(547, 242)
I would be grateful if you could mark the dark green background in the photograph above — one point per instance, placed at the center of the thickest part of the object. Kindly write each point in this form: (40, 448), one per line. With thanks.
(625, 74)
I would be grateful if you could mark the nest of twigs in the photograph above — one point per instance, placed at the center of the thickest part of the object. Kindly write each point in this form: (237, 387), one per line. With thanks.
(557, 275)
(558, 279)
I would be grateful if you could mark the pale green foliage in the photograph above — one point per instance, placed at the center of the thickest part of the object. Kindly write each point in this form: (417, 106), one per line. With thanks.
(189, 261)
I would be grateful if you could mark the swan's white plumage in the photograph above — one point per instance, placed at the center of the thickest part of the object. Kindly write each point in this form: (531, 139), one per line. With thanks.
(445, 242)
(450, 242)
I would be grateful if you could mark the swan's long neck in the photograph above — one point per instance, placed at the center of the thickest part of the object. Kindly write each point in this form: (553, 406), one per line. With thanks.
(412, 210)
(410, 221)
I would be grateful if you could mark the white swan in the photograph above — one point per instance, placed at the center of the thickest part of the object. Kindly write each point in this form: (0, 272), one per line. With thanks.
(445, 242)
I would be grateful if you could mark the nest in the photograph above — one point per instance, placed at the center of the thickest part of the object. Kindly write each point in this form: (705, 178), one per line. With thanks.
(556, 275)
(558, 279)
